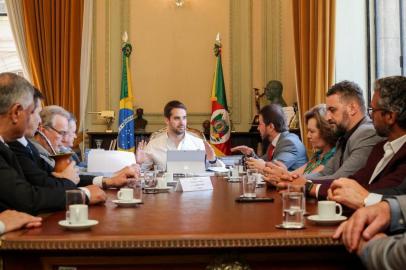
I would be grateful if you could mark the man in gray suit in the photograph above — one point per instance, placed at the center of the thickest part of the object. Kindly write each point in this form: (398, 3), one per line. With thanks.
(363, 233)
(346, 112)
(284, 146)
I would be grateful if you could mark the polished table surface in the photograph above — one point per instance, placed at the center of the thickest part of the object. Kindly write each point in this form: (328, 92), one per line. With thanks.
(176, 219)
(203, 220)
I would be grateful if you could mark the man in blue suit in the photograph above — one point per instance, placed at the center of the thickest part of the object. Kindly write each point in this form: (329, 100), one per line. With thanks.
(284, 146)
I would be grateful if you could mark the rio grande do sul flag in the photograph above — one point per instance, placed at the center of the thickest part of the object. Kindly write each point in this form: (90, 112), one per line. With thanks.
(220, 128)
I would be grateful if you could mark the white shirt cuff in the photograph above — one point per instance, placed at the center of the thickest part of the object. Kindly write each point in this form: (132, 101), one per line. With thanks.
(2, 227)
(372, 198)
(86, 191)
(98, 181)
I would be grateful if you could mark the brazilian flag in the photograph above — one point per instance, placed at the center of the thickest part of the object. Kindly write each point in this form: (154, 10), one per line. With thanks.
(126, 115)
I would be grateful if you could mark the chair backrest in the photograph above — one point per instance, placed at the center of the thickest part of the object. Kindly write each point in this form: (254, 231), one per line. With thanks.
(195, 132)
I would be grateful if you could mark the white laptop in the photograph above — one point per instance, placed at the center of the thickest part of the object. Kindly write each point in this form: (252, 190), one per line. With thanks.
(186, 161)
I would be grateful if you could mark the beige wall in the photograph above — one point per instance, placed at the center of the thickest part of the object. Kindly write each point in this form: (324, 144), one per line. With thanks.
(173, 55)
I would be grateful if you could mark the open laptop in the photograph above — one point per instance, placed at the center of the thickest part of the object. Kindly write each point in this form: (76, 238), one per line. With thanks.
(186, 161)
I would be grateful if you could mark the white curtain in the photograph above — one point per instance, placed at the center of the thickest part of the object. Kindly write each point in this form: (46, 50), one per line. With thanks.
(16, 19)
(85, 61)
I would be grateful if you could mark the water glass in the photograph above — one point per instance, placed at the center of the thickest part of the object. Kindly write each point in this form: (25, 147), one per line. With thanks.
(301, 189)
(136, 185)
(251, 172)
(150, 180)
(293, 210)
(249, 184)
(74, 196)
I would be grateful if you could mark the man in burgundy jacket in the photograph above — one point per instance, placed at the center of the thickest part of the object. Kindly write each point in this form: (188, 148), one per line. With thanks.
(385, 169)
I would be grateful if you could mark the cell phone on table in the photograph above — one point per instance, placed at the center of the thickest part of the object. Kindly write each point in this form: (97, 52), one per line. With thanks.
(253, 199)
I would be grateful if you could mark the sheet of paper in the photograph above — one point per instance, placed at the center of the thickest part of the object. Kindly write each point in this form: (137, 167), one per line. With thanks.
(102, 161)
(196, 183)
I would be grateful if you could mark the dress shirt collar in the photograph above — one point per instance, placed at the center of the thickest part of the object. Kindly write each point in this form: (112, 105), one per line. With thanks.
(172, 145)
(23, 141)
(2, 140)
(394, 145)
(275, 140)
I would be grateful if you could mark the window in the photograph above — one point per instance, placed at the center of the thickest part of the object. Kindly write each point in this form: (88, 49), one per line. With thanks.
(9, 60)
(390, 37)
(352, 55)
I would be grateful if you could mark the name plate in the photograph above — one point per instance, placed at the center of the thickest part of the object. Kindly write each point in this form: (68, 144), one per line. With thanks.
(195, 184)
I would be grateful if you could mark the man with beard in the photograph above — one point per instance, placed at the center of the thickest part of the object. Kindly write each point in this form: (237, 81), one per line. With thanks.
(284, 146)
(346, 112)
(386, 166)
(174, 137)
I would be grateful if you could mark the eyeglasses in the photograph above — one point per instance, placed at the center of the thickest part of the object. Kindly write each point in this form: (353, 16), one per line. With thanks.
(60, 132)
(372, 110)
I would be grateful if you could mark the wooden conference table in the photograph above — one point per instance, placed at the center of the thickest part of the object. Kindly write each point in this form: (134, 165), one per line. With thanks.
(175, 230)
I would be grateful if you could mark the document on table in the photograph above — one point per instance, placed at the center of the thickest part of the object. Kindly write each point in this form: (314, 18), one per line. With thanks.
(103, 161)
(195, 184)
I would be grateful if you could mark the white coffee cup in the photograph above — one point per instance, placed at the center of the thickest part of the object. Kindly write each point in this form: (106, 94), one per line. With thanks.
(161, 182)
(234, 172)
(125, 194)
(328, 209)
(77, 214)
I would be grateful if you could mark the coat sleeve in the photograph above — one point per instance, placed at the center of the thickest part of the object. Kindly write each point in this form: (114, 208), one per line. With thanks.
(357, 157)
(36, 175)
(386, 253)
(17, 193)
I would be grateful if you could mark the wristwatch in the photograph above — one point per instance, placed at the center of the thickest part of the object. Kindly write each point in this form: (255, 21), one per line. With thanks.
(213, 161)
(104, 183)
(308, 186)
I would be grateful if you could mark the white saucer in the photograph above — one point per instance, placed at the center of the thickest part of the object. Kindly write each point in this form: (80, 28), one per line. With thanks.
(281, 226)
(127, 203)
(69, 226)
(330, 221)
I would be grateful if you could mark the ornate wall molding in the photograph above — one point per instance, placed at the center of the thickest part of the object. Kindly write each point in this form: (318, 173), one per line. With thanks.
(241, 57)
(117, 20)
(272, 37)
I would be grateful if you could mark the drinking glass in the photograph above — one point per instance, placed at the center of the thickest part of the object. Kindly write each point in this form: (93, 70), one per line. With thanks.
(301, 189)
(150, 180)
(292, 210)
(74, 196)
(249, 184)
(136, 185)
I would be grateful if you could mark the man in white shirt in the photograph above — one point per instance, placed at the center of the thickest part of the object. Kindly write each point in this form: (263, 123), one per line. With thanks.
(175, 137)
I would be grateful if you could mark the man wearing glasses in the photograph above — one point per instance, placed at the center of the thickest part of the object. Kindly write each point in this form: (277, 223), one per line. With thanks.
(385, 170)
(51, 132)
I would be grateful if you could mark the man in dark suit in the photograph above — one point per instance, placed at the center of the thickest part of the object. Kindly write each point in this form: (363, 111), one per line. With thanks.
(386, 166)
(284, 146)
(39, 172)
(16, 108)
